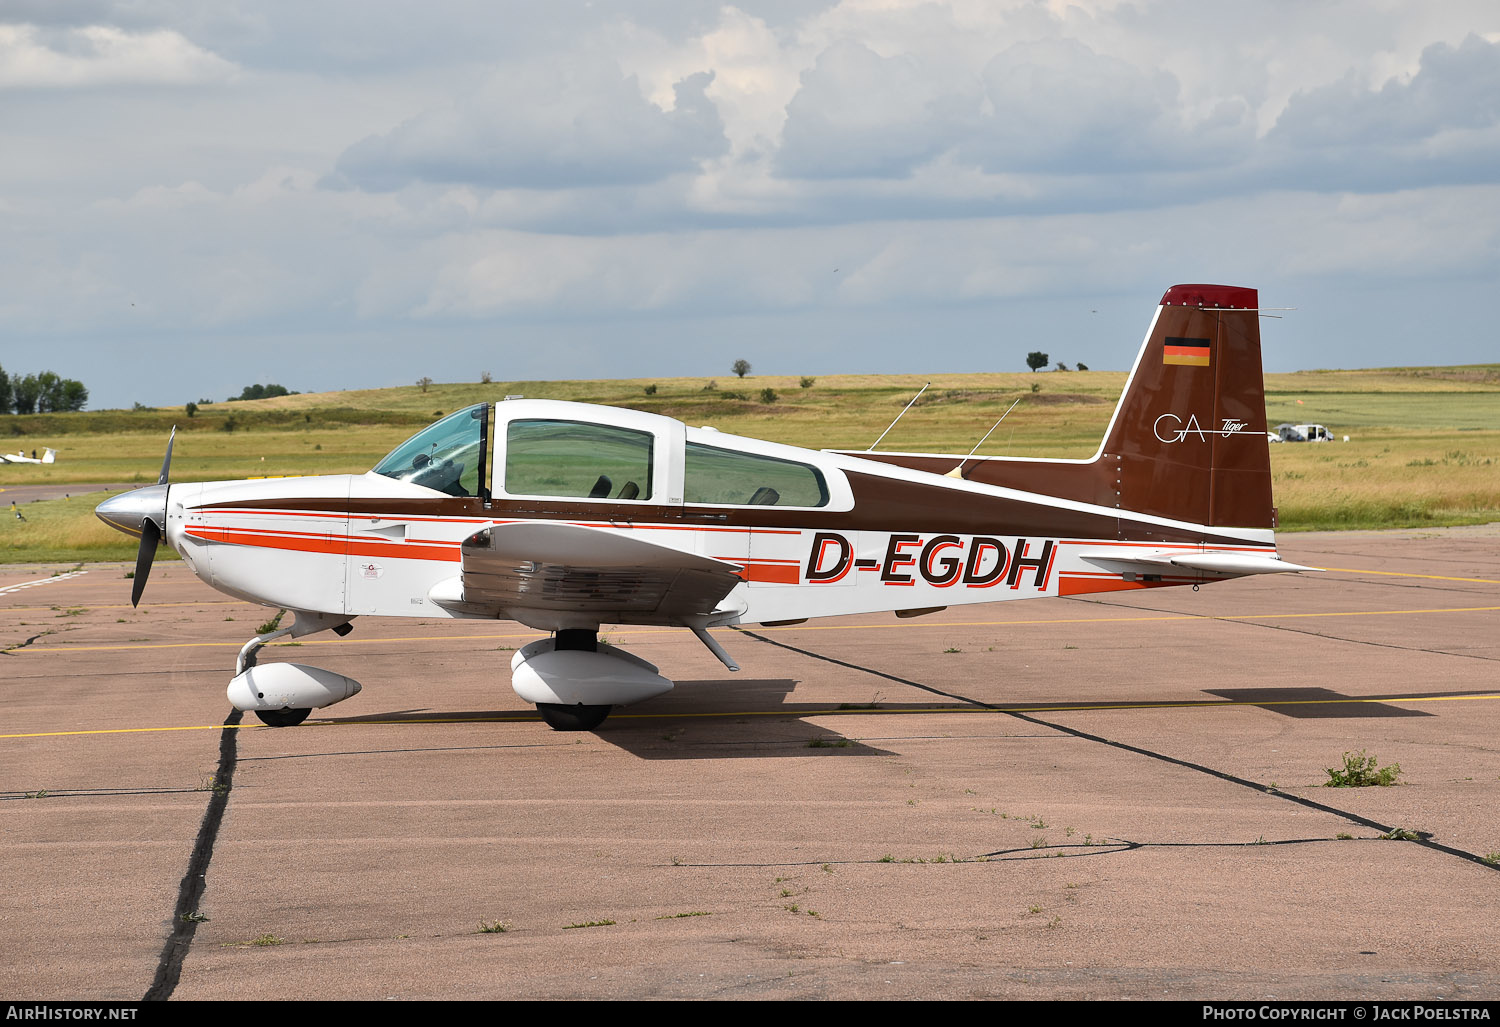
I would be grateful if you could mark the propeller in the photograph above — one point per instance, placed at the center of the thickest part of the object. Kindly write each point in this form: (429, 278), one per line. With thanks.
(141, 513)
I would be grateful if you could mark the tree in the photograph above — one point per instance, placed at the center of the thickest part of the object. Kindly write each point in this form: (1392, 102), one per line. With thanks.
(1082, 366)
(1036, 360)
(66, 394)
(42, 393)
(262, 392)
(27, 391)
(192, 409)
(741, 367)
(423, 382)
(1061, 366)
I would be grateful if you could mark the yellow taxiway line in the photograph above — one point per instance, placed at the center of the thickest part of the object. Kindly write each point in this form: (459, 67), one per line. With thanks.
(519, 718)
(794, 627)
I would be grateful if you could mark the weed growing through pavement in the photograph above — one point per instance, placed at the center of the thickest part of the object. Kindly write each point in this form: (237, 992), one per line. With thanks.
(1361, 771)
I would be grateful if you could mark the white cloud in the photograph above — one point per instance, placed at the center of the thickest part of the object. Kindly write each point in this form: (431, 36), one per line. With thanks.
(614, 172)
(103, 55)
(543, 126)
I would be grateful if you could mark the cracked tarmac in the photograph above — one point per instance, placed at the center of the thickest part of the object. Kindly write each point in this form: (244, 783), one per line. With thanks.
(1117, 797)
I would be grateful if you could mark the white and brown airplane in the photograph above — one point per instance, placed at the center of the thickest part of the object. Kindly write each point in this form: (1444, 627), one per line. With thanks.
(567, 516)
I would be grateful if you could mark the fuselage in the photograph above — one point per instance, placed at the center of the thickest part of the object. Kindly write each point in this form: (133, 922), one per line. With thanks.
(814, 533)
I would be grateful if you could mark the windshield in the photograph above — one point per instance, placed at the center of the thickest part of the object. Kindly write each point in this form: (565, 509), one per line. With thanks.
(448, 456)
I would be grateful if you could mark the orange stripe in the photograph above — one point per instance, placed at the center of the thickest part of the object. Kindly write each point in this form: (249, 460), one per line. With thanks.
(779, 575)
(335, 545)
(1073, 585)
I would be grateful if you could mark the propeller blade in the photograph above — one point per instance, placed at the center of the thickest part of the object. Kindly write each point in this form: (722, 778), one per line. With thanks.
(150, 536)
(167, 460)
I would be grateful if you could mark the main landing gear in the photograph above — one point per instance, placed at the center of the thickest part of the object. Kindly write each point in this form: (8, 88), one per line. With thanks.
(572, 718)
(575, 716)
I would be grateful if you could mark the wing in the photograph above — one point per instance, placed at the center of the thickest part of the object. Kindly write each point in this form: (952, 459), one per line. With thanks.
(550, 568)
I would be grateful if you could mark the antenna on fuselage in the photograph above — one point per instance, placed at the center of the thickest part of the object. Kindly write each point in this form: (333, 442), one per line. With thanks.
(958, 472)
(898, 417)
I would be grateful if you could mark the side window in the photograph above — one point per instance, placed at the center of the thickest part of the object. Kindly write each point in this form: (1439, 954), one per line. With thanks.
(575, 459)
(730, 477)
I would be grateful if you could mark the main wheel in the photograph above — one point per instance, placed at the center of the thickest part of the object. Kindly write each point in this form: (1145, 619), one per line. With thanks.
(572, 718)
(283, 718)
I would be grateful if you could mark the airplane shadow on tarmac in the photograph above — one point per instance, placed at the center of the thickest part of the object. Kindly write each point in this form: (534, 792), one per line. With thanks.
(725, 718)
(730, 718)
(1324, 703)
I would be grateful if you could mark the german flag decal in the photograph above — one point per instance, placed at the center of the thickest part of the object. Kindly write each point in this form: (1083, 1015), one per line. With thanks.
(1185, 351)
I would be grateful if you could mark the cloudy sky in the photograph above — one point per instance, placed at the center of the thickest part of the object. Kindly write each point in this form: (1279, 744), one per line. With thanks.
(354, 193)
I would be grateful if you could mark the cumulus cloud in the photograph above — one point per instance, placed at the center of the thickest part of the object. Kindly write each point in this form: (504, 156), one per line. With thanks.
(1059, 106)
(1440, 124)
(32, 57)
(1047, 106)
(617, 171)
(858, 114)
(546, 127)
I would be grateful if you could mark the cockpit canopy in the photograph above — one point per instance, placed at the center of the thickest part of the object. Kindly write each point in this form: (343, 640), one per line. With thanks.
(546, 448)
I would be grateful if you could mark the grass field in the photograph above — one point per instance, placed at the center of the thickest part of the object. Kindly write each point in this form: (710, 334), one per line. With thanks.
(1424, 443)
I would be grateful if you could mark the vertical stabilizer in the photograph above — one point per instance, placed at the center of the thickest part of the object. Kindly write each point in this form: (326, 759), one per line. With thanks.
(1189, 435)
(1188, 438)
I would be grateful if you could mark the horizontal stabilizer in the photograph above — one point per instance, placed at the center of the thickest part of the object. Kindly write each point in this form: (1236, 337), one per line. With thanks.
(1228, 564)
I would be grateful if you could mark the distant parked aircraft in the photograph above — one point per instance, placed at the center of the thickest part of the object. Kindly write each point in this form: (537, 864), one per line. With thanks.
(49, 456)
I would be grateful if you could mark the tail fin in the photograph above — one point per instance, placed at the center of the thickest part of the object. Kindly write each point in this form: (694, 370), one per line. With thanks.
(49, 457)
(1189, 435)
(1188, 438)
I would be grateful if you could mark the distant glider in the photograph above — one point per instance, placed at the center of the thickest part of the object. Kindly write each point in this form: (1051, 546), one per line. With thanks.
(49, 456)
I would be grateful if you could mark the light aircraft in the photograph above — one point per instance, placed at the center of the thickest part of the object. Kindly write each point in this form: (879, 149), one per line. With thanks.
(567, 516)
(49, 456)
